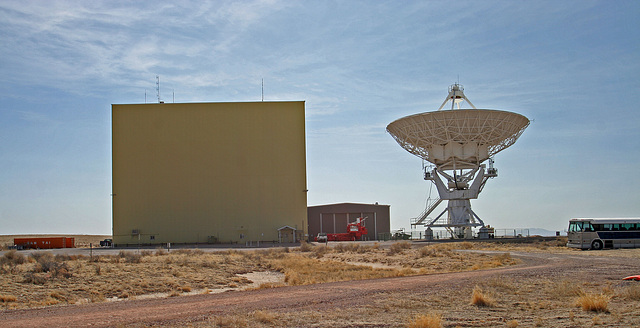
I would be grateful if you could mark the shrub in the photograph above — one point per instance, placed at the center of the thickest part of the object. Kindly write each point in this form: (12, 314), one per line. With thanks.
(13, 258)
(594, 302)
(354, 248)
(480, 298)
(146, 253)
(305, 247)
(39, 255)
(465, 245)
(398, 248)
(426, 321)
(427, 251)
(33, 278)
(46, 262)
(130, 257)
(320, 251)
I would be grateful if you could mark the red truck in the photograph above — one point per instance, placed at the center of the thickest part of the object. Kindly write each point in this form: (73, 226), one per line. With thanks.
(355, 231)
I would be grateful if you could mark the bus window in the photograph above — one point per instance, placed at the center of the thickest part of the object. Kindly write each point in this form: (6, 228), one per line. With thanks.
(575, 226)
(588, 226)
(607, 227)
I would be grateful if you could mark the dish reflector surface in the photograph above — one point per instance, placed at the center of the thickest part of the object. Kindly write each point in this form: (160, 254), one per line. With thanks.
(458, 136)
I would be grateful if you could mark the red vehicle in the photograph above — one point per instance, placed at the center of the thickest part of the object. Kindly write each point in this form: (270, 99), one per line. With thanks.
(44, 242)
(355, 231)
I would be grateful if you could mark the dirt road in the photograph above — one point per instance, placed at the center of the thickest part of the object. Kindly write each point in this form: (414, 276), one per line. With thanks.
(321, 297)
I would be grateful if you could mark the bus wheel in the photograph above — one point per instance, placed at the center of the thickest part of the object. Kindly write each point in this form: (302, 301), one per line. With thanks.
(596, 244)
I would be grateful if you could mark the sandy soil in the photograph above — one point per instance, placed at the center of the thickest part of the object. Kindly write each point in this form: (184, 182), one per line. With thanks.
(539, 292)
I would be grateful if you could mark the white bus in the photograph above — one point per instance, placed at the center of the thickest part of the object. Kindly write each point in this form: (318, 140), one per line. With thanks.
(604, 233)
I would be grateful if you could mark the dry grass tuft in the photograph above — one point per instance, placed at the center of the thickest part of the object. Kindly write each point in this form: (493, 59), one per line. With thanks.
(264, 317)
(480, 298)
(58, 295)
(594, 302)
(513, 323)
(596, 321)
(7, 298)
(565, 288)
(631, 293)
(266, 285)
(430, 320)
(229, 321)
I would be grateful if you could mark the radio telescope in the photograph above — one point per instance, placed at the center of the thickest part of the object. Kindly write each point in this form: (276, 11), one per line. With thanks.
(457, 142)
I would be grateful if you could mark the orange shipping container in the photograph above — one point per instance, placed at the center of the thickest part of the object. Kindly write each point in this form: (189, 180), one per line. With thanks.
(45, 242)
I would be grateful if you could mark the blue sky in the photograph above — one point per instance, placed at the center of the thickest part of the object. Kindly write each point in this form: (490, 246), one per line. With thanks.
(572, 67)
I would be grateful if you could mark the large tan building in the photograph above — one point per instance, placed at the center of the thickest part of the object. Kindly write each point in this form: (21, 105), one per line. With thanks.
(209, 172)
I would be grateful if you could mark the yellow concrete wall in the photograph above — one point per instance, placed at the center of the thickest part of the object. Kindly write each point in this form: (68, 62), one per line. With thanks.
(183, 172)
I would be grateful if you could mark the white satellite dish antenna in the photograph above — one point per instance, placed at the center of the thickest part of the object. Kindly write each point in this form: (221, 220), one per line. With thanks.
(457, 142)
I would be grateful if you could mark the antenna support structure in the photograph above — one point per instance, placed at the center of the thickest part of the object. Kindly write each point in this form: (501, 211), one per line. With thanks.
(457, 143)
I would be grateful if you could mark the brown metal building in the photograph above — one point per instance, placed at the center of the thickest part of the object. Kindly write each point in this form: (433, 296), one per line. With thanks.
(333, 218)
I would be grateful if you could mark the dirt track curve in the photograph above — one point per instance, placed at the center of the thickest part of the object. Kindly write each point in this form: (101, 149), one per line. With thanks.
(176, 310)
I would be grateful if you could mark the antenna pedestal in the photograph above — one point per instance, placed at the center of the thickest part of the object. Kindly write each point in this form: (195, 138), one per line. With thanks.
(458, 192)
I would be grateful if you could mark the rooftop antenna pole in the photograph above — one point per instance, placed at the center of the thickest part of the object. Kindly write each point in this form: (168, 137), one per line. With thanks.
(174, 95)
(145, 96)
(262, 89)
(158, 87)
